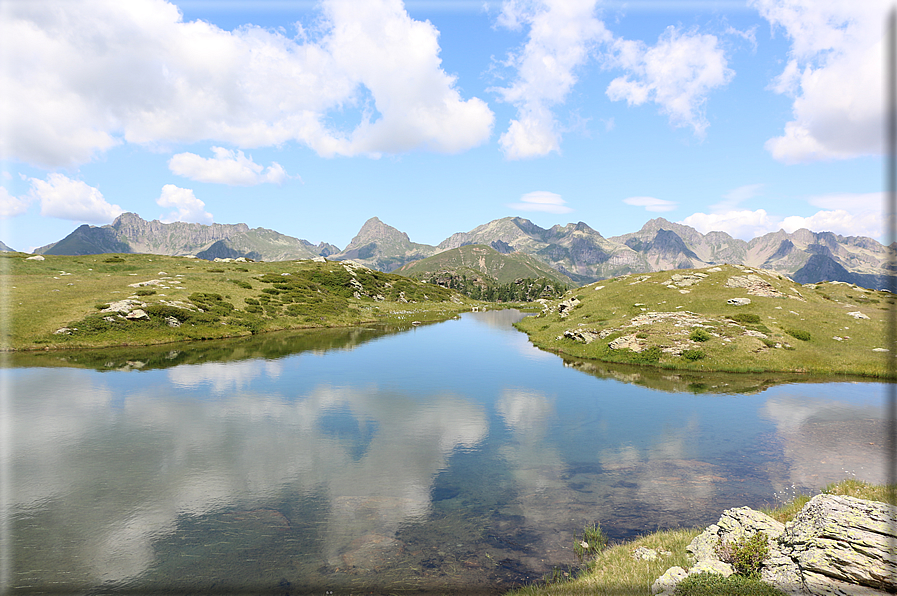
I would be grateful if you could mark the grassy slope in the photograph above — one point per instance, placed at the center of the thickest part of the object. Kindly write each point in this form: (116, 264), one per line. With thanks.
(820, 310)
(487, 260)
(614, 572)
(41, 297)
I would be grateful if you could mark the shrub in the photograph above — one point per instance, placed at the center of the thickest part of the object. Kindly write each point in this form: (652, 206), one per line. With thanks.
(240, 283)
(798, 334)
(641, 335)
(692, 355)
(215, 270)
(145, 292)
(591, 542)
(746, 318)
(115, 259)
(712, 584)
(101, 306)
(746, 555)
(698, 334)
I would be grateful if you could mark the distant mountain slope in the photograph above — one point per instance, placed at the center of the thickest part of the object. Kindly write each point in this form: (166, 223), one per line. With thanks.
(4, 248)
(130, 233)
(575, 250)
(504, 268)
(383, 247)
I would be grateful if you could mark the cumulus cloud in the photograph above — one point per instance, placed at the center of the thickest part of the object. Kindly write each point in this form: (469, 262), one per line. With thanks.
(651, 203)
(747, 224)
(562, 34)
(677, 74)
(186, 206)
(834, 73)
(227, 167)
(60, 196)
(83, 76)
(541, 200)
(11, 206)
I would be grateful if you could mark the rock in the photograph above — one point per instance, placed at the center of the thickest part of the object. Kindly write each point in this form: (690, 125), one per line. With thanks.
(665, 585)
(733, 525)
(583, 335)
(152, 282)
(644, 554)
(738, 301)
(755, 285)
(137, 315)
(64, 331)
(880, 350)
(36, 258)
(124, 306)
(836, 542)
(712, 566)
(172, 322)
(857, 315)
(566, 306)
(630, 342)
(319, 259)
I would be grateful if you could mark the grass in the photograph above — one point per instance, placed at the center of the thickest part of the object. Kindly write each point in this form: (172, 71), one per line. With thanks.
(614, 571)
(801, 329)
(193, 300)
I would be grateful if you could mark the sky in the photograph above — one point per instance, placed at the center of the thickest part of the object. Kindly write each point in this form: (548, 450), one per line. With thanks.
(436, 116)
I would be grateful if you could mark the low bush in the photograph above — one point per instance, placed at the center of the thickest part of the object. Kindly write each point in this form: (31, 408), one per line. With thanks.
(712, 584)
(698, 334)
(746, 318)
(145, 292)
(243, 284)
(692, 355)
(798, 334)
(746, 555)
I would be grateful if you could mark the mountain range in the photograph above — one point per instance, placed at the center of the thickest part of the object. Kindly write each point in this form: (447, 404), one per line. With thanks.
(575, 250)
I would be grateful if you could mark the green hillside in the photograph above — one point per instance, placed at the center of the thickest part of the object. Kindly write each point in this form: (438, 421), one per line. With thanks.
(484, 259)
(139, 299)
(688, 319)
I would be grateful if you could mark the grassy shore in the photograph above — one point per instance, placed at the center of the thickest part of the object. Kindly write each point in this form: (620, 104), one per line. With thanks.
(684, 320)
(70, 301)
(614, 571)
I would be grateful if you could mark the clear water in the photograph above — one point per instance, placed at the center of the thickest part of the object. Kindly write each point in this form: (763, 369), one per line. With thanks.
(444, 458)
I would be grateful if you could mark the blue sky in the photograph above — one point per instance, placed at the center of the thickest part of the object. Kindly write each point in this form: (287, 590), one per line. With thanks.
(440, 115)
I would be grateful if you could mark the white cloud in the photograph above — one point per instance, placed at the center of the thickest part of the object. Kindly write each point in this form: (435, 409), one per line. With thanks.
(834, 73)
(11, 206)
(62, 197)
(736, 196)
(651, 203)
(562, 33)
(677, 74)
(862, 217)
(186, 206)
(541, 200)
(227, 167)
(83, 76)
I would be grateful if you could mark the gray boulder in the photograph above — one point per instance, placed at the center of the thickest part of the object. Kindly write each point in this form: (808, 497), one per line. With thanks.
(837, 545)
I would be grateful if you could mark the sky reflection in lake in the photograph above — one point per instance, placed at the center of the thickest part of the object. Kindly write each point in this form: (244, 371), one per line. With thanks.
(450, 455)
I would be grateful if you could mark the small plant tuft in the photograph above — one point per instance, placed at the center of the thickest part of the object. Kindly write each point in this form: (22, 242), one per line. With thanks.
(746, 318)
(145, 292)
(591, 542)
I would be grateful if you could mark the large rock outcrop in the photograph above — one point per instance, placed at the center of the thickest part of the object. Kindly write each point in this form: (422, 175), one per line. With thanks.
(835, 545)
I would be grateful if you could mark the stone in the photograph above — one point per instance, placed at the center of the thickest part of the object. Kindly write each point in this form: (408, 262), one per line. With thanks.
(857, 315)
(880, 350)
(319, 259)
(124, 306)
(172, 322)
(738, 301)
(137, 315)
(64, 331)
(755, 285)
(665, 585)
(582, 335)
(630, 342)
(644, 554)
(566, 306)
(36, 258)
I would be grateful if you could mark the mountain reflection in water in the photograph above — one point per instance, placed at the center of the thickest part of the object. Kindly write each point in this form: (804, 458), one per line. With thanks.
(452, 457)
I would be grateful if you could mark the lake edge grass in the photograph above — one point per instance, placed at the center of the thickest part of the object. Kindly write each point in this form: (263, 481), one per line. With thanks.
(614, 571)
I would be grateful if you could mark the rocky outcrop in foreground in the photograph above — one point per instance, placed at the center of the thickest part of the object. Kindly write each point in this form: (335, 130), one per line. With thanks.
(835, 546)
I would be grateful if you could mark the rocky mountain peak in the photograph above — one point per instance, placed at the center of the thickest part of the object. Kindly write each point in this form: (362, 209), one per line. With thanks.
(375, 230)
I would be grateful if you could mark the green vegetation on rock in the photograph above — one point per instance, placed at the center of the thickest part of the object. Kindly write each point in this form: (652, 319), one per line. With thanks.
(142, 299)
(722, 318)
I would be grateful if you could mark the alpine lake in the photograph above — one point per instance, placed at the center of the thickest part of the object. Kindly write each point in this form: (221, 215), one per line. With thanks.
(445, 458)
